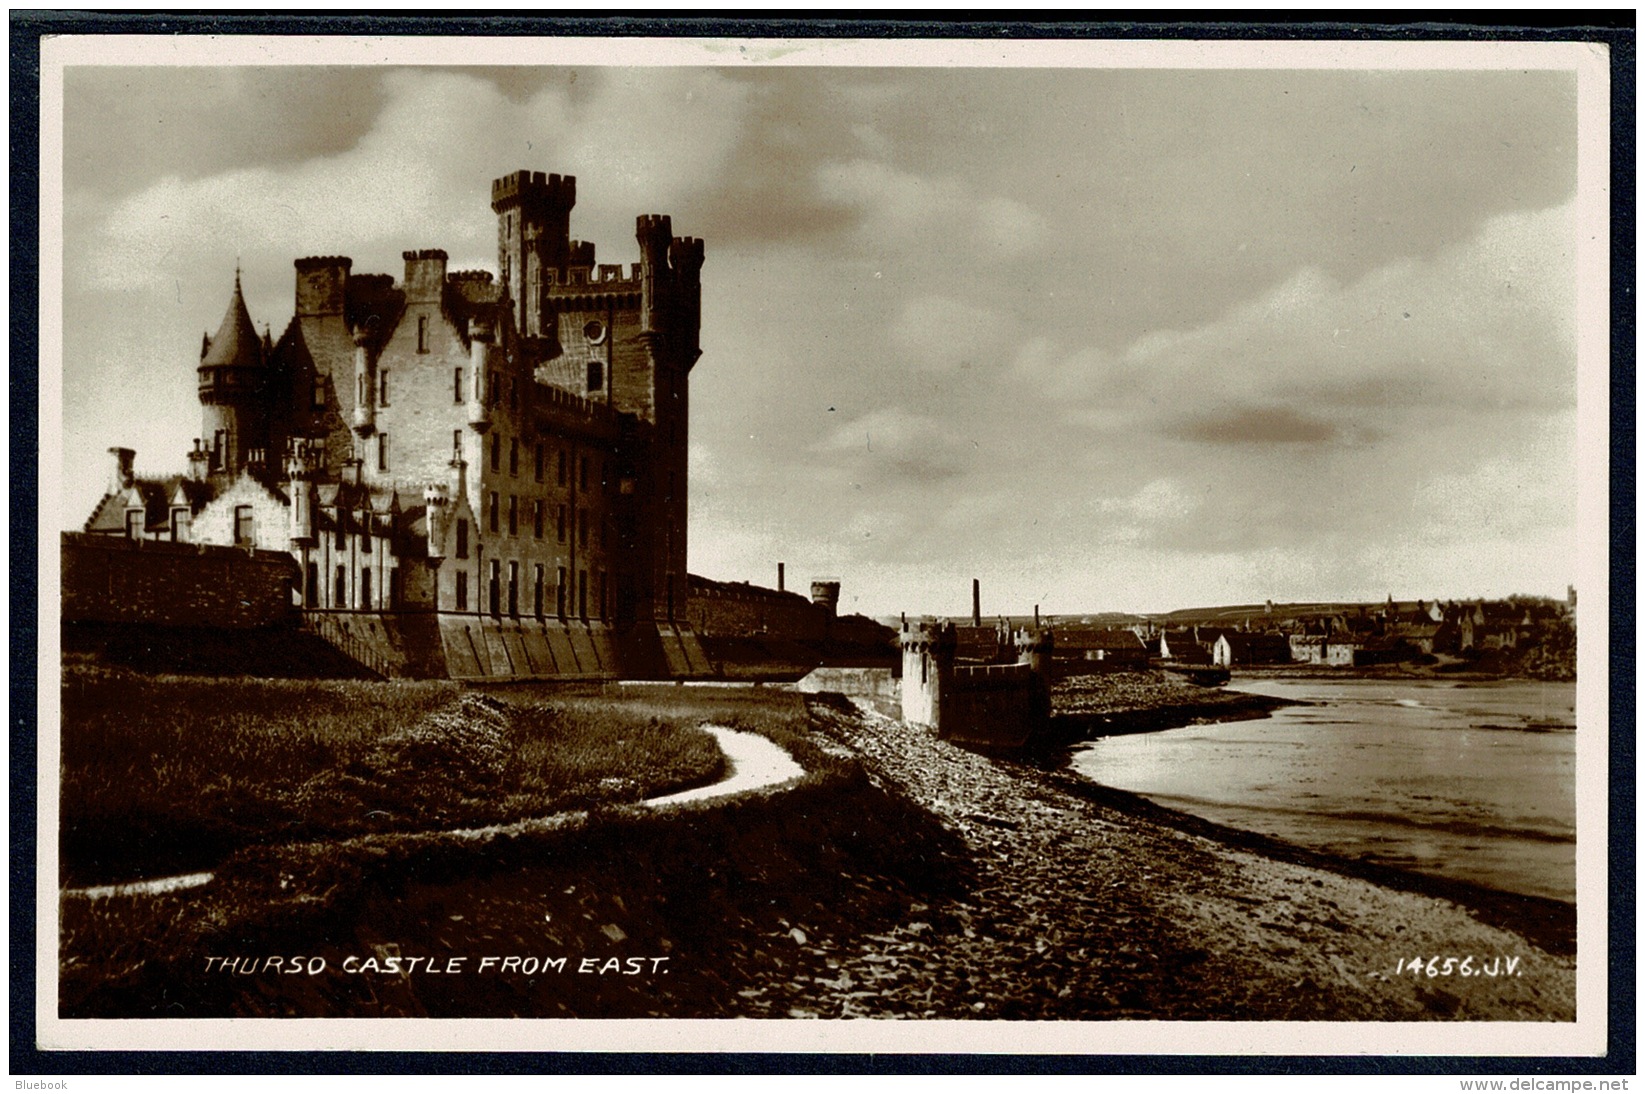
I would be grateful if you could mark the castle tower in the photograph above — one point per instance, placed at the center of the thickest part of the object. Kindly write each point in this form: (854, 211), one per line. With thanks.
(670, 319)
(232, 381)
(826, 595)
(1034, 649)
(927, 670)
(533, 236)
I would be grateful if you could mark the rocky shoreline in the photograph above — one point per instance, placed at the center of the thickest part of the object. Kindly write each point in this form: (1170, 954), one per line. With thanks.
(1091, 904)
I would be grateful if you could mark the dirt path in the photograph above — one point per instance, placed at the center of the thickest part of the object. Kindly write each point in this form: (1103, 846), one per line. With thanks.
(752, 763)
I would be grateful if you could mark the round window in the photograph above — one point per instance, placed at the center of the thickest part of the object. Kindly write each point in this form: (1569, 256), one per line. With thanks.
(594, 331)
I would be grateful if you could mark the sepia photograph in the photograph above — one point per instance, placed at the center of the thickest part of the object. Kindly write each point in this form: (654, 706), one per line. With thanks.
(1058, 547)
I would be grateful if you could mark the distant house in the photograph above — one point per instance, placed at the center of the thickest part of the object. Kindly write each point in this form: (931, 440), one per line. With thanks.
(1250, 648)
(1183, 646)
(1425, 637)
(1110, 648)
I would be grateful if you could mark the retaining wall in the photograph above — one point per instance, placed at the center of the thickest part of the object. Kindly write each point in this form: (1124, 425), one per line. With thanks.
(109, 579)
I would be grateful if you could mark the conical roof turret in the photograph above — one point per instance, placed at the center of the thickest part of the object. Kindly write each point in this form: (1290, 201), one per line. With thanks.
(237, 341)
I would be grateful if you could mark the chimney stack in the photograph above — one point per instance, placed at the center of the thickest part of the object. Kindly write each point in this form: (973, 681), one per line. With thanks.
(976, 602)
(123, 476)
(779, 577)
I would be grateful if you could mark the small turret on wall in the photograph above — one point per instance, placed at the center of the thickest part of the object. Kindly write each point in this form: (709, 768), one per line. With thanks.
(826, 595)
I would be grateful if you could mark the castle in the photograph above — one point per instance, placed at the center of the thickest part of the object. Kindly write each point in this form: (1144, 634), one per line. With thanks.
(475, 475)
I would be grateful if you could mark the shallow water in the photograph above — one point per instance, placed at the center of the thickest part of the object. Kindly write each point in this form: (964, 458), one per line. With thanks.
(1466, 780)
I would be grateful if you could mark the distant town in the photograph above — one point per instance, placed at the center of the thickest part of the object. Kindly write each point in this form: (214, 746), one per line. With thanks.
(1530, 636)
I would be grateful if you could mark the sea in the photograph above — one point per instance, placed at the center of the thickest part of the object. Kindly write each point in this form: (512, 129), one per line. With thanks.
(1467, 780)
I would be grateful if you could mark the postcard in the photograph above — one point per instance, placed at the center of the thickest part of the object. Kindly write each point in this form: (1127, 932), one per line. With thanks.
(824, 545)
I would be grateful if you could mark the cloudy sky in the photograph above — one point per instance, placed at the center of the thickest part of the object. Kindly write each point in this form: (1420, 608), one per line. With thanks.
(1120, 339)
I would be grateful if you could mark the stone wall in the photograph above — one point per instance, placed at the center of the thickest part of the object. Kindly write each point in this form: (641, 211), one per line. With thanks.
(111, 580)
(721, 610)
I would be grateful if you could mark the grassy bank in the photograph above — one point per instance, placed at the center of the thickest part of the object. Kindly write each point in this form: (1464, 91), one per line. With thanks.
(168, 774)
(724, 895)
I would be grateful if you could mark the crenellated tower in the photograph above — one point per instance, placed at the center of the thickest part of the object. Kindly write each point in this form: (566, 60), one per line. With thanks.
(533, 236)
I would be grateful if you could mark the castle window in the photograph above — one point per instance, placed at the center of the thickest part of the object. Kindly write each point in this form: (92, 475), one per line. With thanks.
(513, 514)
(539, 466)
(457, 385)
(342, 534)
(462, 539)
(494, 590)
(382, 451)
(561, 467)
(319, 398)
(494, 511)
(311, 586)
(537, 591)
(339, 597)
(560, 523)
(365, 531)
(596, 376)
(514, 456)
(456, 444)
(382, 388)
(559, 595)
(462, 590)
(496, 452)
(243, 528)
(217, 451)
(422, 334)
(537, 519)
(134, 524)
(365, 587)
(514, 588)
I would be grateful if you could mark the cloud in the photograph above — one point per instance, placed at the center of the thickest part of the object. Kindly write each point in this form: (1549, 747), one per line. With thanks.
(904, 207)
(1270, 425)
(943, 333)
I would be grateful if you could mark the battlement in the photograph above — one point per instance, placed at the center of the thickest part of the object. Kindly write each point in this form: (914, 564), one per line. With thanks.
(936, 637)
(654, 224)
(485, 277)
(686, 254)
(535, 187)
(322, 262)
(609, 275)
(998, 676)
(558, 398)
(429, 254)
